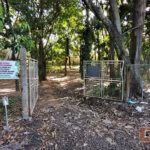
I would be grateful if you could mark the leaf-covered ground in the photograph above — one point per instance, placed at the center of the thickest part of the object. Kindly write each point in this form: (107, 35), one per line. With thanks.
(63, 121)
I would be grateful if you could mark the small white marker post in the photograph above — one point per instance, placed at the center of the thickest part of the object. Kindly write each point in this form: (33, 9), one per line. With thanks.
(5, 104)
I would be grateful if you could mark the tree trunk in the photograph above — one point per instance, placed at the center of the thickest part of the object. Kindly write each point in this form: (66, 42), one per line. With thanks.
(86, 43)
(66, 59)
(114, 15)
(136, 34)
(69, 62)
(67, 55)
(115, 18)
(111, 57)
(42, 62)
(136, 44)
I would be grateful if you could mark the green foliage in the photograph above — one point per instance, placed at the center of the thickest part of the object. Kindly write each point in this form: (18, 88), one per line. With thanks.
(68, 26)
(55, 20)
(1, 19)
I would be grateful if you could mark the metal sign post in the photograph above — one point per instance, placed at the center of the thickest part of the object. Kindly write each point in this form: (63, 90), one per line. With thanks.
(5, 104)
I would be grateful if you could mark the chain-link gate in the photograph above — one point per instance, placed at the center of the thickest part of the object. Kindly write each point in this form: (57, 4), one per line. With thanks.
(33, 84)
(104, 79)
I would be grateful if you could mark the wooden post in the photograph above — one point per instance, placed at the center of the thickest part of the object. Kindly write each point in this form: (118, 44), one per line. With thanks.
(24, 84)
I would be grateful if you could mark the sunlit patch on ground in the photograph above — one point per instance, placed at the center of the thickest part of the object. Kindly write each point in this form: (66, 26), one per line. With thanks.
(59, 79)
(65, 80)
(6, 90)
(7, 87)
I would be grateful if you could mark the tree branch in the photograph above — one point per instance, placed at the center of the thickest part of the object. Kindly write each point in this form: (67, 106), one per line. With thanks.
(115, 14)
(112, 29)
(98, 11)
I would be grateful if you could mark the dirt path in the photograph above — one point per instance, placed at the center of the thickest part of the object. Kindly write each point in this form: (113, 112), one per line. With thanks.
(57, 87)
(61, 121)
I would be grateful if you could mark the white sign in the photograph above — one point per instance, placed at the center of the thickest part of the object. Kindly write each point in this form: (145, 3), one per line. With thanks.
(9, 69)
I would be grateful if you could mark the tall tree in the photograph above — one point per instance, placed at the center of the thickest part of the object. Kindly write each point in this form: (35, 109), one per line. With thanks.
(114, 12)
(40, 15)
(86, 43)
(136, 40)
(115, 31)
(67, 31)
(136, 34)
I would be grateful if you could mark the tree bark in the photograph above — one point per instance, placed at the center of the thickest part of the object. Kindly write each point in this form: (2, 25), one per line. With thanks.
(42, 61)
(66, 59)
(67, 55)
(86, 44)
(136, 34)
(111, 57)
(136, 44)
(115, 18)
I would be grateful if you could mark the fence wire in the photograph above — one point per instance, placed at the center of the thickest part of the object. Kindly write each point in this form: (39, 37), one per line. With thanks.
(142, 72)
(104, 79)
(107, 79)
(33, 84)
